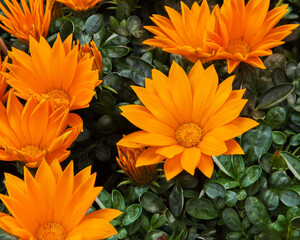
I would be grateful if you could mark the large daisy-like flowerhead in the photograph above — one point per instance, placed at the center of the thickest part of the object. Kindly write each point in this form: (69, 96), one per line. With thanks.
(54, 73)
(53, 205)
(3, 83)
(79, 5)
(186, 119)
(184, 34)
(24, 21)
(247, 32)
(36, 131)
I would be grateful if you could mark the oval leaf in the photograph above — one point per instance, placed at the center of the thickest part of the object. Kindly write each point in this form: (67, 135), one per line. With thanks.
(94, 23)
(201, 209)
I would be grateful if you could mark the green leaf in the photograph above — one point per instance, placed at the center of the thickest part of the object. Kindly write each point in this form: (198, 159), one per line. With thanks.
(227, 183)
(135, 69)
(214, 189)
(151, 202)
(187, 181)
(66, 29)
(132, 213)
(201, 209)
(94, 23)
(242, 194)
(295, 117)
(133, 24)
(122, 233)
(257, 142)
(289, 197)
(230, 198)
(276, 117)
(224, 163)
(279, 180)
(6, 236)
(238, 165)
(158, 221)
(275, 95)
(113, 80)
(232, 220)
(295, 140)
(293, 163)
(290, 69)
(105, 199)
(278, 137)
(118, 200)
(252, 174)
(115, 40)
(270, 199)
(256, 212)
(115, 51)
(235, 236)
(176, 200)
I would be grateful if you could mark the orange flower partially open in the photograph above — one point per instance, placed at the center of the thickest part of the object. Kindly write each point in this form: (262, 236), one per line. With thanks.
(247, 32)
(3, 83)
(24, 21)
(186, 119)
(36, 131)
(79, 5)
(54, 73)
(53, 205)
(184, 34)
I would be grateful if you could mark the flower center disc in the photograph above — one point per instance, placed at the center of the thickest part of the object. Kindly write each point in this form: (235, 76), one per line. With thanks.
(32, 150)
(238, 46)
(188, 135)
(60, 97)
(50, 231)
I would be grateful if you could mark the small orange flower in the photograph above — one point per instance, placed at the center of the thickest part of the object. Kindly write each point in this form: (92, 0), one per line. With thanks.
(184, 34)
(53, 205)
(36, 131)
(90, 50)
(54, 73)
(80, 5)
(24, 21)
(247, 32)
(127, 161)
(3, 83)
(186, 119)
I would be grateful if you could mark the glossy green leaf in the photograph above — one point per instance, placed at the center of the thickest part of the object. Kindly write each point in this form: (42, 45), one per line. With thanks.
(275, 95)
(290, 69)
(242, 194)
(295, 140)
(293, 163)
(118, 200)
(227, 183)
(278, 137)
(133, 23)
(279, 180)
(289, 197)
(151, 202)
(158, 220)
(94, 23)
(256, 212)
(224, 163)
(122, 233)
(230, 198)
(105, 199)
(232, 220)
(295, 117)
(214, 189)
(66, 29)
(270, 199)
(201, 209)
(252, 174)
(187, 181)
(235, 236)
(256, 142)
(238, 165)
(115, 40)
(176, 200)
(132, 213)
(107, 66)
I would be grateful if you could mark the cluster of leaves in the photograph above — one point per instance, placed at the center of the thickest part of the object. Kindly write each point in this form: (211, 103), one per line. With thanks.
(255, 196)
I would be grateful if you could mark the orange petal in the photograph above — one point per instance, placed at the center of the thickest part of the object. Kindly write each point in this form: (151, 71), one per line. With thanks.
(172, 167)
(206, 165)
(189, 159)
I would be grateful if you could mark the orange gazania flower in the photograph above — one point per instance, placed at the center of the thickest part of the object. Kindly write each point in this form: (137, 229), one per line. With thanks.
(247, 32)
(24, 21)
(90, 50)
(36, 131)
(53, 205)
(184, 34)
(3, 83)
(127, 161)
(79, 5)
(186, 119)
(54, 73)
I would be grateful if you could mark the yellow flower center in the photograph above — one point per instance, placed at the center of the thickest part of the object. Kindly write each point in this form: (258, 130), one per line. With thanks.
(50, 231)
(59, 96)
(32, 150)
(238, 46)
(188, 135)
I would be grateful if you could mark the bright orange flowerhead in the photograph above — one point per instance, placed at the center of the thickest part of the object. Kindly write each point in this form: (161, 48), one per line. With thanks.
(90, 50)
(24, 21)
(3, 83)
(247, 32)
(53, 205)
(187, 119)
(54, 73)
(127, 161)
(184, 34)
(36, 131)
(79, 5)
